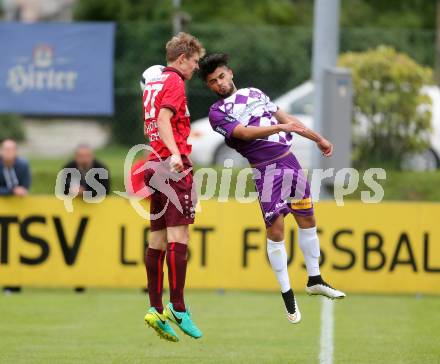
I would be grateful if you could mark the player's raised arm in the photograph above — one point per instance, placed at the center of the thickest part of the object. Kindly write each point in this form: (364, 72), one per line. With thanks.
(252, 132)
(299, 128)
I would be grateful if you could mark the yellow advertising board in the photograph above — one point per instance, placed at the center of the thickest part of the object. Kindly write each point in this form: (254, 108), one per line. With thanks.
(380, 248)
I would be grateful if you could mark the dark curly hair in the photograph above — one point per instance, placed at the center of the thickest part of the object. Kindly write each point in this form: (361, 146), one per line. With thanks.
(210, 62)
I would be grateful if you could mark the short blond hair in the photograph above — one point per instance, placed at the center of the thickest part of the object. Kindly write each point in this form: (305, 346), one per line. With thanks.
(183, 43)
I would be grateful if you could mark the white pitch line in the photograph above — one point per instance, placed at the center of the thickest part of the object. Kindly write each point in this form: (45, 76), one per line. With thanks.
(327, 326)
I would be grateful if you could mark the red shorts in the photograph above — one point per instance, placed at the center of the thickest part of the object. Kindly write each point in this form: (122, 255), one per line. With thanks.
(173, 202)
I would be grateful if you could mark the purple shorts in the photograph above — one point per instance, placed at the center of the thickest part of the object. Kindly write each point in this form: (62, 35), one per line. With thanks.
(282, 189)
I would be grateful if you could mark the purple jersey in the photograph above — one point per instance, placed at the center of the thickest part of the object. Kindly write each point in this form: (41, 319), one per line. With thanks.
(251, 108)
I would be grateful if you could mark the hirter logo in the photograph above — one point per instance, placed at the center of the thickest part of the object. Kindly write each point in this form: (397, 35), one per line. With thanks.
(43, 56)
(42, 72)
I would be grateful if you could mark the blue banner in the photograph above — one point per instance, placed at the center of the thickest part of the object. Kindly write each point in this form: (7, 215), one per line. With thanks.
(56, 68)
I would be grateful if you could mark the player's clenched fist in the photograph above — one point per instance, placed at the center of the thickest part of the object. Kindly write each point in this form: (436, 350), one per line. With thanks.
(325, 146)
(176, 164)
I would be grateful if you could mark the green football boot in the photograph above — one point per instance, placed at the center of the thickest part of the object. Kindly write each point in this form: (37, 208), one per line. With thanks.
(183, 320)
(159, 323)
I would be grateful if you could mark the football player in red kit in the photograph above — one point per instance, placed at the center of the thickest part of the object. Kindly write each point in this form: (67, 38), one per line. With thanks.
(167, 125)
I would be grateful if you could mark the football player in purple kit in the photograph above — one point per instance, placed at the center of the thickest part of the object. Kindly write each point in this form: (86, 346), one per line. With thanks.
(261, 132)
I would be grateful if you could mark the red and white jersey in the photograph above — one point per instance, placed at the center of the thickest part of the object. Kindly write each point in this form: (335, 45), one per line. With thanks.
(166, 90)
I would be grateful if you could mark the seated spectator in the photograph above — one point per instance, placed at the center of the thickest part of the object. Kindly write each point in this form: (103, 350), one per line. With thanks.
(15, 175)
(84, 161)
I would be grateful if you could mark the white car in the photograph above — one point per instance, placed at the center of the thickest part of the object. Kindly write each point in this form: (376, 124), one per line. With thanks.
(430, 159)
(208, 147)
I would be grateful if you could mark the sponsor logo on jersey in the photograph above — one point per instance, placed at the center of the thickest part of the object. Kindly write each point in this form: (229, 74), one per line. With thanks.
(221, 130)
(257, 106)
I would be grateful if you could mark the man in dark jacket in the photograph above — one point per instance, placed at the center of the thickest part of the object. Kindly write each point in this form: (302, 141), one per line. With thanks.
(15, 175)
(84, 161)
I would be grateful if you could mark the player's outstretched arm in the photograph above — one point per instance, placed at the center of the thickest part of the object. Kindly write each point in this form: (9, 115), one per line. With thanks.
(256, 132)
(166, 134)
(299, 128)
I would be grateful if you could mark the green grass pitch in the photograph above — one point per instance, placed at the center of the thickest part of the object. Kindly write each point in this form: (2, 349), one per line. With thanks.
(106, 326)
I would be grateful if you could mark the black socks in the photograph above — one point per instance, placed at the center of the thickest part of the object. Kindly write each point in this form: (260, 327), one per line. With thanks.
(289, 301)
(315, 280)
